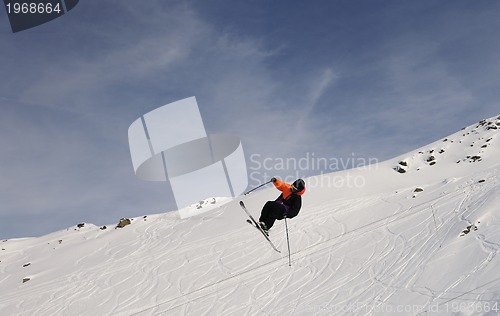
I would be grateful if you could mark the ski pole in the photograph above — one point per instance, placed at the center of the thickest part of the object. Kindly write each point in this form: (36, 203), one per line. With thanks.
(288, 242)
(263, 184)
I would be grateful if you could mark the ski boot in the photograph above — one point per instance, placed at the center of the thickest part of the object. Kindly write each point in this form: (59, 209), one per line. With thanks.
(264, 227)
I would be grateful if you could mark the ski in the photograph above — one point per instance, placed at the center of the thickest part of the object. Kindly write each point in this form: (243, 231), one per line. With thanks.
(250, 222)
(256, 225)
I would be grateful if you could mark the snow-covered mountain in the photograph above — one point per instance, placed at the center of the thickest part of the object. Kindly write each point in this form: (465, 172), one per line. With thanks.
(415, 235)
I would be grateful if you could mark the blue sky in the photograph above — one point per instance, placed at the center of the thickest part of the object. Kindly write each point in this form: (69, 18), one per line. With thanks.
(339, 79)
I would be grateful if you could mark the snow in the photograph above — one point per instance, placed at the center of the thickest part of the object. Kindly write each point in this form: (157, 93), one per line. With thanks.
(365, 243)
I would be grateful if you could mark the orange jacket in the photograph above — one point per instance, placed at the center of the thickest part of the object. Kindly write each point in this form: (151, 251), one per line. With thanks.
(285, 188)
(291, 202)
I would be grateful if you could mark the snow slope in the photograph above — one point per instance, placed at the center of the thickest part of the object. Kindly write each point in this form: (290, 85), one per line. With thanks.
(369, 241)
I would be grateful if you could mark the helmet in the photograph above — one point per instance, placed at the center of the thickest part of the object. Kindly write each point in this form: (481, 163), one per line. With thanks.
(299, 184)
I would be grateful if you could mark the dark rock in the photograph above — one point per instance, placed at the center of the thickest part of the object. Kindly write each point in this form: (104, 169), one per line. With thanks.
(468, 230)
(80, 225)
(475, 158)
(399, 169)
(123, 222)
(418, 190)
(26, 280)
(26, 264)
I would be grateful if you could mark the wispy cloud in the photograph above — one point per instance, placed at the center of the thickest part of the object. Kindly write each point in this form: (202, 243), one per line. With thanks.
(324, 81)
(65, 114)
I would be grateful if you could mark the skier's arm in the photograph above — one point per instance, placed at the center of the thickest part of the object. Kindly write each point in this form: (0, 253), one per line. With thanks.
(280, 185)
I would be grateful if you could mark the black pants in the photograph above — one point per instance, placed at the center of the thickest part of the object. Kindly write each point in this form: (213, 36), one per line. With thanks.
(271, 211)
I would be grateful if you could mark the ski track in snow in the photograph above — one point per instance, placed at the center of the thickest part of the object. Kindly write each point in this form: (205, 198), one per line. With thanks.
(384, 271)
(261, 288)
(389, 262)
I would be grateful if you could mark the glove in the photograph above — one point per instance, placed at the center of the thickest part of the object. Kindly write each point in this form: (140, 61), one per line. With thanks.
(273, 180)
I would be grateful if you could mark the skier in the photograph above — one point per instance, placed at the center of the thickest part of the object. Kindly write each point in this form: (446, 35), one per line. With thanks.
(286, 205)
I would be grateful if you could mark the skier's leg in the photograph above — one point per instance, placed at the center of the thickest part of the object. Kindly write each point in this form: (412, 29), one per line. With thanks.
(274, 210)
(266, 211)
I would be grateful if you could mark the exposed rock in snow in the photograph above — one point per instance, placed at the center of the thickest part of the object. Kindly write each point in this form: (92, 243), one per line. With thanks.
(123, 222)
